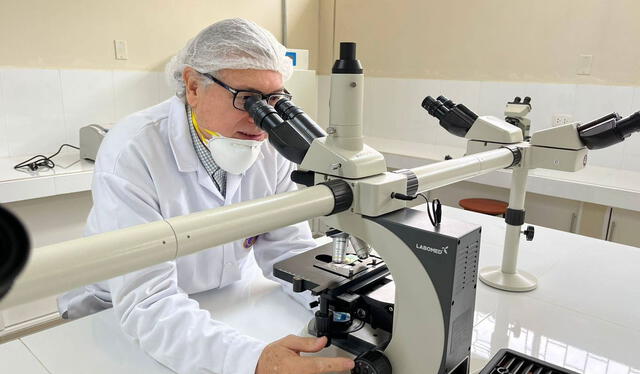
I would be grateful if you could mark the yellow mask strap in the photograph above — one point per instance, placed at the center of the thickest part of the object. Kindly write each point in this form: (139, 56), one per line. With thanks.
(199, 131)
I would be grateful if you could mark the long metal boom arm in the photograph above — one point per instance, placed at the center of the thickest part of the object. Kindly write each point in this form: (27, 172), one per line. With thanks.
(443, 173)
(63, 266)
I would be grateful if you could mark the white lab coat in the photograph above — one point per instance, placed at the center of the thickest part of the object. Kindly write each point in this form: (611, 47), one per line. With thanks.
(147, 170)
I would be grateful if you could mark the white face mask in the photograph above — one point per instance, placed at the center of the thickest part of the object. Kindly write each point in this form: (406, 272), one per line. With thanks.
(234, 156)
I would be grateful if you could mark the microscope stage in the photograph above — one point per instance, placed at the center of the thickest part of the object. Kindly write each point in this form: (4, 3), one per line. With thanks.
(313, 270)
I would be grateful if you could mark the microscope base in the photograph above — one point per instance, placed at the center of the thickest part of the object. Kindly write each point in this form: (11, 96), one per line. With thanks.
(519, 282)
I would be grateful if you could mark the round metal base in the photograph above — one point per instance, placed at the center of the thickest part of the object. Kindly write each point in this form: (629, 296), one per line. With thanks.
(519, 282)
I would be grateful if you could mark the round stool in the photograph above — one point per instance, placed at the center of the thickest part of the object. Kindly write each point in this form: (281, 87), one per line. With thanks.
(486, 206)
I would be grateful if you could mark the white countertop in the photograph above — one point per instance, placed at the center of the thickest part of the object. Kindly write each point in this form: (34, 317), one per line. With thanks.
(70, 175)
(15, 357)
(583, 316)
(593, 184)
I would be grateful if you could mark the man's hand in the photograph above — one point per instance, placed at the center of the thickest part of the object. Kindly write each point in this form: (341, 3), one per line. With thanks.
(283, 357)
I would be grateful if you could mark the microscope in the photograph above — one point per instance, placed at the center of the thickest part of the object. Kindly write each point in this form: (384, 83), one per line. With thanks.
(390, 271)
(516, 112)
(395, 288)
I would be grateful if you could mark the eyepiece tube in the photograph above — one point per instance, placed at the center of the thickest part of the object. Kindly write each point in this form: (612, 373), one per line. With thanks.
(455, 118)
(608, 130)
(600, 120)
(447, 103)
(291, 138)
(289, 111)
(348, 63)
(629, 125)
(435, 107)
(347, 51)
(451, 105)
(264, 115)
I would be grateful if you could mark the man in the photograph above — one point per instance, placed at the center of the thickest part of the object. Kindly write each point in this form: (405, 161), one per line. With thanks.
(199, 150)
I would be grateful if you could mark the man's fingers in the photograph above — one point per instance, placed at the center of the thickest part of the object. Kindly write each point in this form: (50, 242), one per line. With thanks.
(313, 365)
(300, 344)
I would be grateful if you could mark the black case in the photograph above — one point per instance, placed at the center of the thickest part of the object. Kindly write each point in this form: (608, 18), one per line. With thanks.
(508, 361)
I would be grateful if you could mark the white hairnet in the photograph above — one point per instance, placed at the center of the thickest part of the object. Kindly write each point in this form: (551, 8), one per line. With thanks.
(234, 43)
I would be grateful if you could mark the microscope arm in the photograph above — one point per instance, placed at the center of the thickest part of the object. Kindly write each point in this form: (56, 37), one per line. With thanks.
(446, 172)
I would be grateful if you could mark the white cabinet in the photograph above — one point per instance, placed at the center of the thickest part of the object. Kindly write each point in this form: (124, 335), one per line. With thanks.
(624, 226)
(552, 212)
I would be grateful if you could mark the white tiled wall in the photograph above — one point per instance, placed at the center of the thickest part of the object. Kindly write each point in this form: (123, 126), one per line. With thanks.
(392, 109)
(87, 97)
(135, 90)
(42, 108)
(33, 110)
(548, 100)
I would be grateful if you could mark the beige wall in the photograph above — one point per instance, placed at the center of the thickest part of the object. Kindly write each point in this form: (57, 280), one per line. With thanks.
(303, 29)
(499, 40)
(80, 34)
(326, 36)
(459, 39)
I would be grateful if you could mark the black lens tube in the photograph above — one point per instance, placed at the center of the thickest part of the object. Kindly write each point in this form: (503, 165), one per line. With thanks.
(290, 112)
(455, 118)
(610, 116)
(264, 115)
(290, 138)
(608, 130)
(629, 125)
(435, 107)
(348, 63)
(447, 103)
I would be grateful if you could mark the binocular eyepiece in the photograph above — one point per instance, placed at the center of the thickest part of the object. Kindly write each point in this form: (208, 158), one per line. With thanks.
(455, 118)
(291, 136)
(518, 100)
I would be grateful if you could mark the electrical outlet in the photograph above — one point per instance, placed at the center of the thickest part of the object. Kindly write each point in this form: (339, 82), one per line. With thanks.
(560, 119)
(121, 49)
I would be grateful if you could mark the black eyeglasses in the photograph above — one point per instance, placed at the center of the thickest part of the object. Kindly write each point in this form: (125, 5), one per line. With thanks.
(241, 96)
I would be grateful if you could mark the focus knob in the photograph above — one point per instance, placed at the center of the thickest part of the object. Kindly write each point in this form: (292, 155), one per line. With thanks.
(529, 233)
(372, 362)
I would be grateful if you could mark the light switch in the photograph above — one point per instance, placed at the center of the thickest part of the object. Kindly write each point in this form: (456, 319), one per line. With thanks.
(121, 49)
(584, 67)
